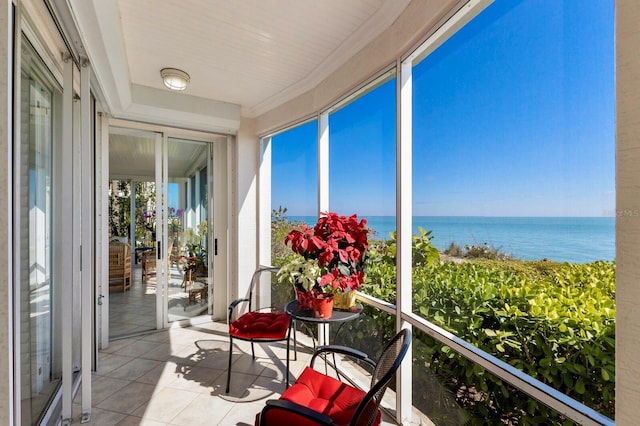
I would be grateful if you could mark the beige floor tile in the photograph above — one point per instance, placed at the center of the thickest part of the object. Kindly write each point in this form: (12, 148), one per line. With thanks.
(129, 398)
(161, 375)
(204, 410)
(241, 388)
(133, 369)
(243, 414)
(139, 421)
(103, 387)
(138, 349)
(167, 351)
(98, 416)
(109, 362)
(196, 379)
(157, 336)
(116, 345)
(165, 404)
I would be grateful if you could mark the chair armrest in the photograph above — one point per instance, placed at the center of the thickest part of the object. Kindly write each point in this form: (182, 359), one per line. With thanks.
(342, 350)
(297, 409)
(233, 305)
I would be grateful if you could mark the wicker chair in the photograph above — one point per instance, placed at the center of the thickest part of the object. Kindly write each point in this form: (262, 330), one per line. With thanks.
(148, 264)
(119, 266)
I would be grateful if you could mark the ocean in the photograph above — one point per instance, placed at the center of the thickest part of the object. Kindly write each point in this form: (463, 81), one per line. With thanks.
(561, 239)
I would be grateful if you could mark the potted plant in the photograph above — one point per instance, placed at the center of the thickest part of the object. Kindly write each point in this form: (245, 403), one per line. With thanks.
(303, 274)
(339, 244)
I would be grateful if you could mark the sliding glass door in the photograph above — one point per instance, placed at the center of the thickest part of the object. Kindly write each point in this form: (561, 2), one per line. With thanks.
(40, 303)
(160, 209)
(187, 236)
(133, 279)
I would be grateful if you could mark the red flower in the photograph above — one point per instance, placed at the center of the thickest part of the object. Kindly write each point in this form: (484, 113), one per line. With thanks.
(339, 243)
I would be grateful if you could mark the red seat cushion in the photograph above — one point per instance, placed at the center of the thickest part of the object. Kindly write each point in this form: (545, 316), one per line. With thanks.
(323, 394)
(260, 325)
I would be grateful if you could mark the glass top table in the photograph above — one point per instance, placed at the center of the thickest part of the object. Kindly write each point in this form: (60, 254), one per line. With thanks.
(338, 316)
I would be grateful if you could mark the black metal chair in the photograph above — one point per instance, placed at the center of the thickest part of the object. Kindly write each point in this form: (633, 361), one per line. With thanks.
(316, 398)
(256, 326)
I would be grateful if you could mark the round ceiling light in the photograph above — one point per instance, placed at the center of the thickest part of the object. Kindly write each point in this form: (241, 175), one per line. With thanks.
(175, 79)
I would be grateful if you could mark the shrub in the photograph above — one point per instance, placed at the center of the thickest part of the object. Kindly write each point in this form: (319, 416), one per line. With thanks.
(454, 250)
(558, 327)
(484, 251)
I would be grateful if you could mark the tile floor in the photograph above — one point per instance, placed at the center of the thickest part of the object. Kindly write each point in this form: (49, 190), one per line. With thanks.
(177, 377)
(134, 311)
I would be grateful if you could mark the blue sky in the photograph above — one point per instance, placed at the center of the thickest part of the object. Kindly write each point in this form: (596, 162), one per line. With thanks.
(513, 116)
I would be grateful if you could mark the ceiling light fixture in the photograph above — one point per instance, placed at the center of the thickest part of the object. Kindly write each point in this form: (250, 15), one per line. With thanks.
(175, 79)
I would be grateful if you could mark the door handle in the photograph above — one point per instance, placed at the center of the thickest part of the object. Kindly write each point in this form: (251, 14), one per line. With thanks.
(159, 250)
(215, 246)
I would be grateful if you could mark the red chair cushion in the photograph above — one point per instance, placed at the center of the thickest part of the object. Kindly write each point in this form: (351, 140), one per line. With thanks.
(260, 325)
(323, 394)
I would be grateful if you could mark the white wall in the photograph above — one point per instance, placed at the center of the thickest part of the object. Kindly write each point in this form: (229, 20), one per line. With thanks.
(245, 200)
(628, 201)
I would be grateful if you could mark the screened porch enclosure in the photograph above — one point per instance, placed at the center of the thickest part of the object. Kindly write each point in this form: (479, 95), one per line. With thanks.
(424, 117)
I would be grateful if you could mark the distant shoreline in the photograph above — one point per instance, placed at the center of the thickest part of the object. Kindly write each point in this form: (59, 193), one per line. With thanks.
(581, 239)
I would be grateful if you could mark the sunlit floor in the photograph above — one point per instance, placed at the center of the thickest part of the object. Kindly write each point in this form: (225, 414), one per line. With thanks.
(178, 377)
(134, 311)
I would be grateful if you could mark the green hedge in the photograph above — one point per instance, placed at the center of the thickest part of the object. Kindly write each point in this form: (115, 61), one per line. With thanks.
(556, 322)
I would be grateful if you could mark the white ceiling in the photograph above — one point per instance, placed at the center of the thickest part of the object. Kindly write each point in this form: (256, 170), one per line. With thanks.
(252, 55)
(244, 58)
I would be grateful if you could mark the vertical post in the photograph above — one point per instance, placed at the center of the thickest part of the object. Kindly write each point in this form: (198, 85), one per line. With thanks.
(103, 235)
(87, 237)
(161, 299)
(10, 62)
(264, 219)
(66, 239)
(323, 192)
(404, 224)
(323, 162)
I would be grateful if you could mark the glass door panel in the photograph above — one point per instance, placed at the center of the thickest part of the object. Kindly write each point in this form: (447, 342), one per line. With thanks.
(40, 302)
(187, 234)
(133, 278)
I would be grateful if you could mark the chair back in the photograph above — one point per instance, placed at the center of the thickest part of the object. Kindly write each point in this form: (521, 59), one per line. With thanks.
(256, 277)
(385, 369)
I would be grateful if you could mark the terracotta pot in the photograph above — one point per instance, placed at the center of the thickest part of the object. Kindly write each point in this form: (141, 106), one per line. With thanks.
(323, 306)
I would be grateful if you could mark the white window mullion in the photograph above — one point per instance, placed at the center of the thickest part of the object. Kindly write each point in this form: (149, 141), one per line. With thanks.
(197, 204)
(323, 162)
(161, 299)
(87, 239)
(66, 240)
(404, 223)
(14, 221)
(323, 190)
(102, 231)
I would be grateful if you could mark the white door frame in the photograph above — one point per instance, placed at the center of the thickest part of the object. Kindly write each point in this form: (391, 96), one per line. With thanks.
(220, 208)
